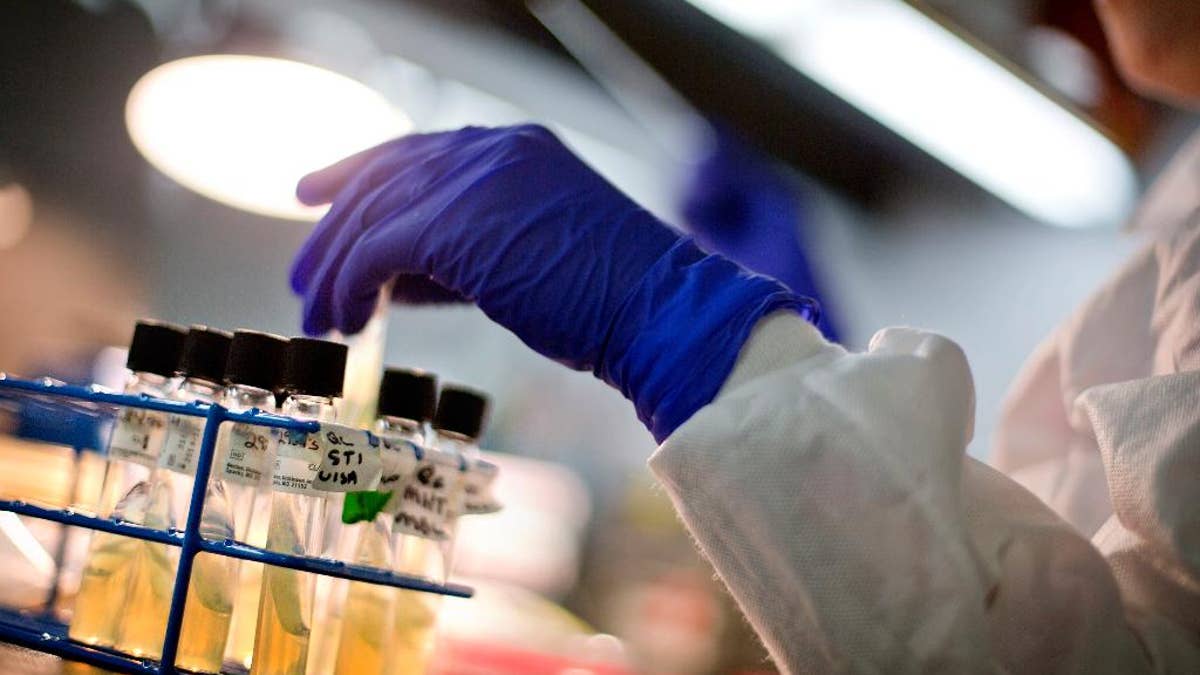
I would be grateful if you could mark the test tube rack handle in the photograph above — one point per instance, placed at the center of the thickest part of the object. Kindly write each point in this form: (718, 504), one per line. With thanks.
(42, 633)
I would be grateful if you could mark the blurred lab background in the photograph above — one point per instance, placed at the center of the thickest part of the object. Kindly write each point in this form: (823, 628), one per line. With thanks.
(964, 167)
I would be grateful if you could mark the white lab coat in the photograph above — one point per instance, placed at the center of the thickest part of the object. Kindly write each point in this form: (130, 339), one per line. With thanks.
(832, 493)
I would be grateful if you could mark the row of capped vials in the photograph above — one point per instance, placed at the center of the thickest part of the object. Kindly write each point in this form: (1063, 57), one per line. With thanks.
(275, 489)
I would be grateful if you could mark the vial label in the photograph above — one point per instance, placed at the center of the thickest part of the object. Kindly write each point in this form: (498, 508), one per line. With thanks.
(249, 447)
(350, 459)
(477, 488)
(398, 461)
(337, 458)
(182, 446)
(138, 436)
(426, 504)
(297, 461)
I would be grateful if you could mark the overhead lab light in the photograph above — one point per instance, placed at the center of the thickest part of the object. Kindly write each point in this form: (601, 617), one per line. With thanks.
(949, 98)
(243, 129)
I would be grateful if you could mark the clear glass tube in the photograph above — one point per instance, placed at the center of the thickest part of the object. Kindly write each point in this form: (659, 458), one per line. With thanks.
(133, 450)
(144, 614)
(250, 528)
(224, 591)
(244, 454)
(295, 526)
(364, 365)
(414, 614)
(466, 449)
(367, 616)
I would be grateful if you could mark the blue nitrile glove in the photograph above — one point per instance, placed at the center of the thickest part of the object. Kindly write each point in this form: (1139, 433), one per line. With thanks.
(511, 220)
(738, 205)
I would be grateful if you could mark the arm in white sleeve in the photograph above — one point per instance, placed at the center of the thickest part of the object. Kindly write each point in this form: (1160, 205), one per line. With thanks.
(832, 495)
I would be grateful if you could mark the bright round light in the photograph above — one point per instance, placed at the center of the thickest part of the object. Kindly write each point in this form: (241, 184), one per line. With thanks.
(243, 129)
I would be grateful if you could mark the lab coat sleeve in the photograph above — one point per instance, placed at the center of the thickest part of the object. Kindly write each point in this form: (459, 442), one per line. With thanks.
(1042, 440)
(832, 494)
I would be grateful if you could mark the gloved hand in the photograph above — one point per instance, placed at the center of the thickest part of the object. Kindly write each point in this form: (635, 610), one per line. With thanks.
(738, 205)
(509, 219)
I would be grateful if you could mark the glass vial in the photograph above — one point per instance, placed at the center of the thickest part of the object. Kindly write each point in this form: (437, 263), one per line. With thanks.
(222, 599)
(457, 425)
(140, 634)
(313, 375)
(368, 641)
(133, 449)
(428, 552)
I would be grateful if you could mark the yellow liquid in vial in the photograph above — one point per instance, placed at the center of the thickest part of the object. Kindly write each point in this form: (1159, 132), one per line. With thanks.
(281, 645)
(207, 614)
(366, 625)
(328, 601)
(255, 519)
(415, 619)
(144, 614)
(103, 587)
(240, 648)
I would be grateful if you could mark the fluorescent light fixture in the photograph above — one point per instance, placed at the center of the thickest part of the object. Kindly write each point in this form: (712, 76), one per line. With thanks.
(243, 129)
(950, 99)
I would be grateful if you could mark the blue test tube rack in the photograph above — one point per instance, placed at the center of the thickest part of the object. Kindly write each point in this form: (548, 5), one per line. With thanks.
(41, 632)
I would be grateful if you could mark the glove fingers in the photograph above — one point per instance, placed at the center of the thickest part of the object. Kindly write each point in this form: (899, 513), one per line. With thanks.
(352, 220)
(333, 235)
(354, 213)
(308, 259)
(369, 264)
(324, 185)
(407, 163)
(319, 303)
(314, 315)
(379, 238)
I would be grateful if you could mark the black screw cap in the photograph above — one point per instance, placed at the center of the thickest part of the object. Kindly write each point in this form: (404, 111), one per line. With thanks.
(205, 351)
(461, 410)
(408, 393)
(255, 359)
(155, 348)
(313, 367)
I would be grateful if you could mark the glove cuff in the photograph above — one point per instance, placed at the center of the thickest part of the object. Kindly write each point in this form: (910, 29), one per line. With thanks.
(677, 336)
